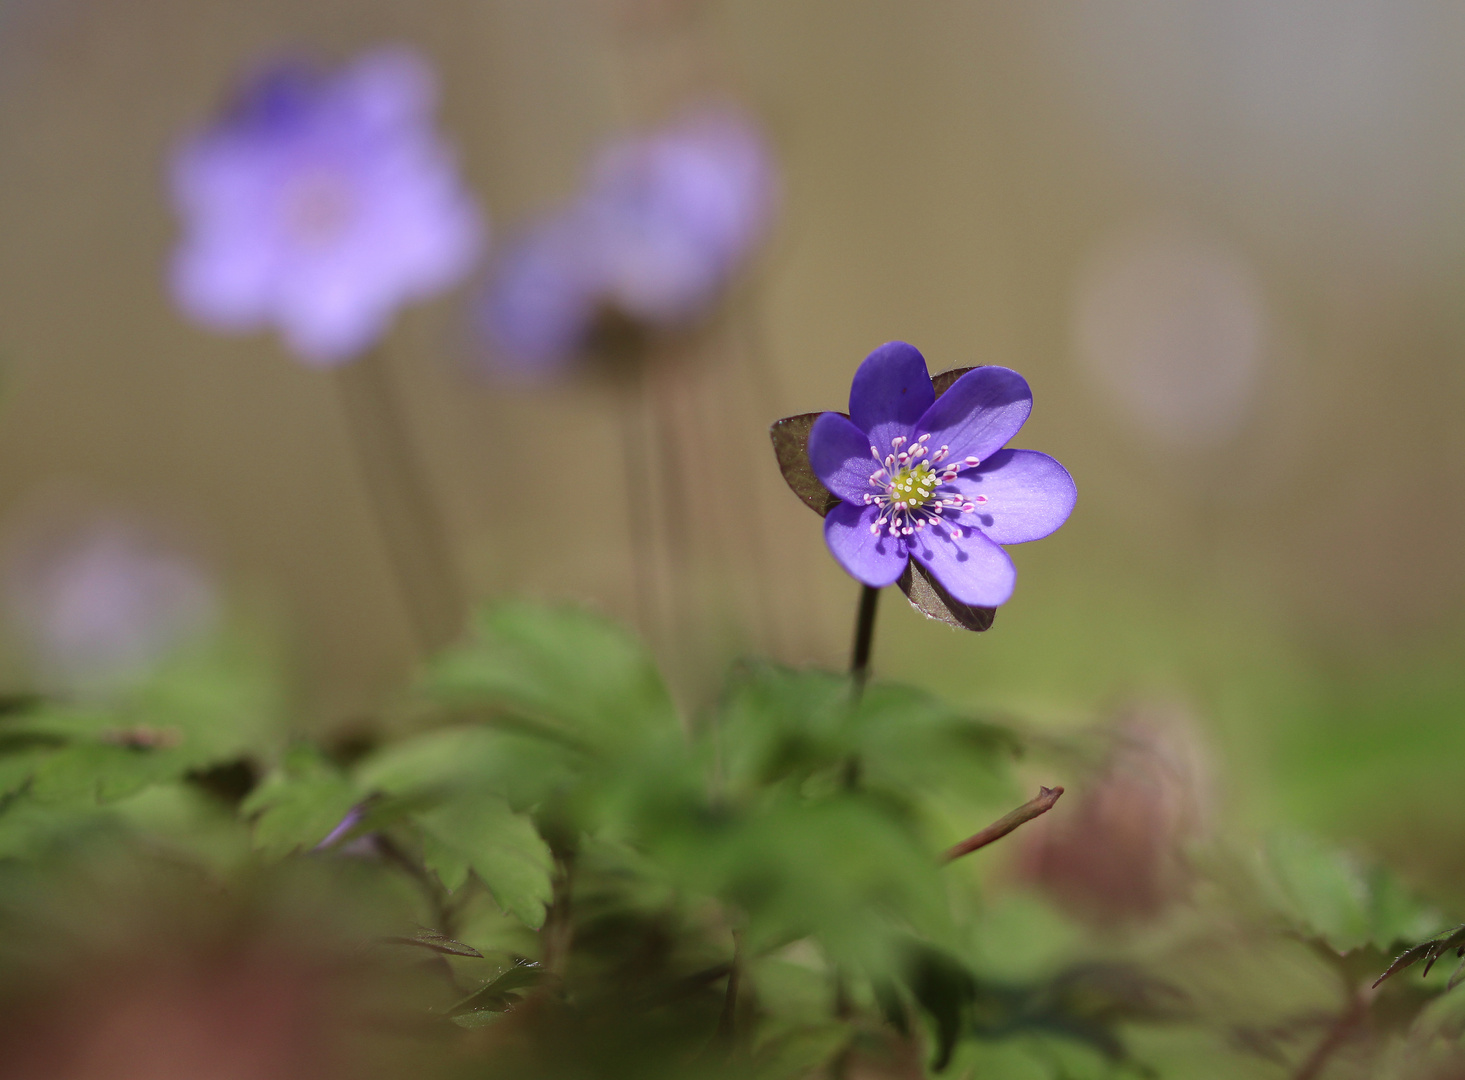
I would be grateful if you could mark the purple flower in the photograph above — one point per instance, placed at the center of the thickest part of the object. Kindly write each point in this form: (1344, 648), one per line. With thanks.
(101, 605)
(319, 203)
(664, 222)
(927, 478)
(671, 215)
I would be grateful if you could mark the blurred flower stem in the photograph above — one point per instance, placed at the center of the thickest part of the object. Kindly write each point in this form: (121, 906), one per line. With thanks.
(636, 461)
(864, 636)
(1343, 1029)
(407, 515)
(1034, 807)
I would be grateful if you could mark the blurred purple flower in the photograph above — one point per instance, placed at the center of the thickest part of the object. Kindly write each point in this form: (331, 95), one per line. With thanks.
(319, 203)
(100, 605)
(926, 478)
(663, 223)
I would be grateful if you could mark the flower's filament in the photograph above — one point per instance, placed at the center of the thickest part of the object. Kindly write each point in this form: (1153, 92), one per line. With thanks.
(911, 489)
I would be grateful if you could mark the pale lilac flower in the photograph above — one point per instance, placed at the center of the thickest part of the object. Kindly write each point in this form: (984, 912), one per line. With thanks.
(925, 477)
(100, 605)
(319, 203)
(664, 222)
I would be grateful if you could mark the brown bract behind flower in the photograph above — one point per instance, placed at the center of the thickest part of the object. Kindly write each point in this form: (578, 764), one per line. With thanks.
(1117, 855)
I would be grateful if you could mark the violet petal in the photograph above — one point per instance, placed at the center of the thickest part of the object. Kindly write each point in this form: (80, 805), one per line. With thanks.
(875, 560)
(839, 453)
(1027, 496)
(979, 413)
(971, 567)
(890, 393)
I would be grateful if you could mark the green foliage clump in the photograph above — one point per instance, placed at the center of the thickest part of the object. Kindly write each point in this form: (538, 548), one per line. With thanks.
(589, 883)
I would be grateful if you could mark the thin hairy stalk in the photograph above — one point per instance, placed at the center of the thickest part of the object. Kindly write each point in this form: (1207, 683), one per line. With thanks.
(407, 515)
(1034, 807)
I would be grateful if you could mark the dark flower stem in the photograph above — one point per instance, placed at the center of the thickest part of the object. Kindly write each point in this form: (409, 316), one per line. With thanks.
(1035, 807)
(859, 667)
(406, 513)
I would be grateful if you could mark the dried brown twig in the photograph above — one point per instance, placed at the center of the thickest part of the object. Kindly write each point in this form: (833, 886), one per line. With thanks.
(1035, 807)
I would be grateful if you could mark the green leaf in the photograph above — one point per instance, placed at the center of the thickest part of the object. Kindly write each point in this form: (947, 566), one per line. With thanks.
(29, 830)
(299, 804)
(17, 768)
(523, 769)
(842, 869)
(778, 725)
(564, 673)
(1429, 951)
(476, 831)
(99, 772)
(438, 943)
(912, 742)
(930, 598)
(205, 708)
(791, 447)
(473, 1020)
(501, 993)
(946, 990)
(1327, 894)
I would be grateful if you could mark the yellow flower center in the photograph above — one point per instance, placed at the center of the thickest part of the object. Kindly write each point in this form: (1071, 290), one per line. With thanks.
(914, 486)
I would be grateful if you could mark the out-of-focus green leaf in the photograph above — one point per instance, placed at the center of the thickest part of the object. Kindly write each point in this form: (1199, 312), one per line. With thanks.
(95, 771)
(841, 869)
(299, 803)
(471, 1021)
(913, 742)
(798, 1051)
(477, 831)
(1084, 1004)
(17, 768)
(29, 829)
(438, 943)
(524, 769)
(791, 447)
(778, 724)
(566, 672)
(946, 990)
(204, 708)
(1328, 894)
(502, 992)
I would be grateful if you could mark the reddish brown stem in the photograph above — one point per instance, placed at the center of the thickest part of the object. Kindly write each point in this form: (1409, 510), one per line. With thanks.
(1035, 807)
(1344, 1029)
